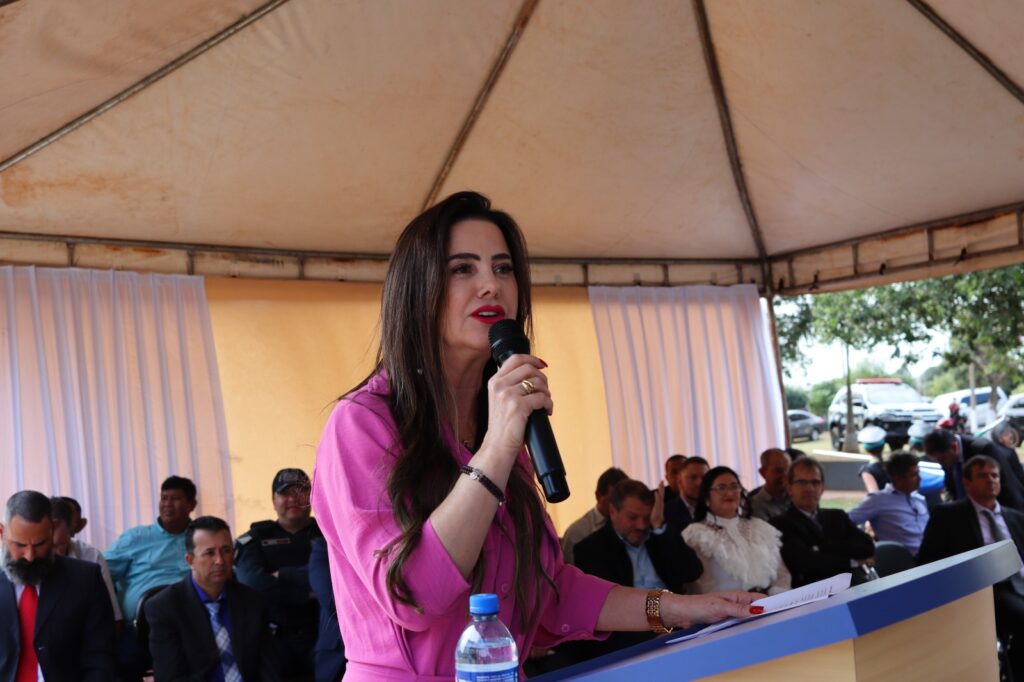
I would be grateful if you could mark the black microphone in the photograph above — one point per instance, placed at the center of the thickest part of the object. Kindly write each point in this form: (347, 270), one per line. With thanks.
(507, 339)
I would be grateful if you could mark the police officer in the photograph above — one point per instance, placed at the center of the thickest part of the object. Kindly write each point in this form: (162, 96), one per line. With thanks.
(273, 558)
(872, 439)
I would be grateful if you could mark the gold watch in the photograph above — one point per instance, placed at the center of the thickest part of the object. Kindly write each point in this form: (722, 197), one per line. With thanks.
(653, 608)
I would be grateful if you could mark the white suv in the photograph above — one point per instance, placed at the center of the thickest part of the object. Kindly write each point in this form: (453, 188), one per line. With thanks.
(887, 403)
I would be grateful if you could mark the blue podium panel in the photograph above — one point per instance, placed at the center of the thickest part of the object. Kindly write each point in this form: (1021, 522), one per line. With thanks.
(848, 615)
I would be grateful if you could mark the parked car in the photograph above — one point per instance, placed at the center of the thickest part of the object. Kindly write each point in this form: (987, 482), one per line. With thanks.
(1013, 411)
(803, 424)
(886, 403)
(983, 415)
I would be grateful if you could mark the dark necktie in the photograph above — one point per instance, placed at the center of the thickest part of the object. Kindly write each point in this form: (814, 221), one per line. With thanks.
(1016, 580)
(27, 661)
(958, 481)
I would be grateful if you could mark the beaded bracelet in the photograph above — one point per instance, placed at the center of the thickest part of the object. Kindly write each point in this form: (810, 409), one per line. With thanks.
(477, 475)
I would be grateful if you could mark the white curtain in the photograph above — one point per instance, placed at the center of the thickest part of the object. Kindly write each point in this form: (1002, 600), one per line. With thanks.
(687, 370)
(109, 384)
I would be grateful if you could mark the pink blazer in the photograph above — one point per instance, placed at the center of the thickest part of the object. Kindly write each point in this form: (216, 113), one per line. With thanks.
(386, 640)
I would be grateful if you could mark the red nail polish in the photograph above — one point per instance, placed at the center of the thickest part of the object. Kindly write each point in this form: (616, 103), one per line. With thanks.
(542, 362)
(756, 610)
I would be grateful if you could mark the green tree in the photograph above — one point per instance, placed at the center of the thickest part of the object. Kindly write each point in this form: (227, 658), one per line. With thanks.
(796, 398)
(821, 395)
(982, 312)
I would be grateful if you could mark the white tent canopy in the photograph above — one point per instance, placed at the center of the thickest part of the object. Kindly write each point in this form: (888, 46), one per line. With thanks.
(811, 144)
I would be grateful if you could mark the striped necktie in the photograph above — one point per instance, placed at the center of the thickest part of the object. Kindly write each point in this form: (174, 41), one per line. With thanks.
(1016, 580)
(220, 633)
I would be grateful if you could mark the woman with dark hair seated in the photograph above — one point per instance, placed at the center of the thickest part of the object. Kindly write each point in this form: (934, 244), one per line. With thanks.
(738, 553)
(423, 488)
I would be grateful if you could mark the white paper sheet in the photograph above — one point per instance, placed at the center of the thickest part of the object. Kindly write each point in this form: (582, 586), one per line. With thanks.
(823, 589)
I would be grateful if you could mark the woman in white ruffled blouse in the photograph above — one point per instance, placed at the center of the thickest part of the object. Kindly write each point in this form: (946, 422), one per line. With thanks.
(738, 553)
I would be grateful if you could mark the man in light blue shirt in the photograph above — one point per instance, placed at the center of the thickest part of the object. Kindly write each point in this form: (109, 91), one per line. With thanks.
(147, 556)
(897, 513)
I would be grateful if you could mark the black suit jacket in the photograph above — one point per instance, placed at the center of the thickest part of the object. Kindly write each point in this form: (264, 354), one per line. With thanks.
(74, 635)
(677, 514)
(182, 642)
(603, 554)
(1011, 473)
(953, 528)
(815, 551)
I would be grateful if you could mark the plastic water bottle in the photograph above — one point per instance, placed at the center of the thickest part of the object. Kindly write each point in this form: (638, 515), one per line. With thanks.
(486, 651)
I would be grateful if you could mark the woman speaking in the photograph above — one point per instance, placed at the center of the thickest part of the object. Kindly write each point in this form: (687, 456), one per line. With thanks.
(423, 488)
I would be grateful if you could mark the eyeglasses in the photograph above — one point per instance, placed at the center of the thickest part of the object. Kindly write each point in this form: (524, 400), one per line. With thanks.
(726, 488)
(803, 482)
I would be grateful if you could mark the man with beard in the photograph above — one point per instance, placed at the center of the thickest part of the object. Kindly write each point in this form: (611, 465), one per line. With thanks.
(56, 622)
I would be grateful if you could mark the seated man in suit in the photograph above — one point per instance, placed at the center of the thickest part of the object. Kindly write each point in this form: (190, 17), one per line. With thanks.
(208, 626)
(679, 510)
(637, 549)
(56, 622)
(953, 450)
(596, 517)
(977, 520)
(818, 543)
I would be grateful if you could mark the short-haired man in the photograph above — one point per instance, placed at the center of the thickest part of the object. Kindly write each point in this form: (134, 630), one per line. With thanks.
(772, 498)
(65, 544)
(679, 511)
(78, 522)
(57, 621)
(975, 521)
(273, 559)
(953, 450)
(818, 543)
(673, 465)
(636, 548)
(149, 556)
(596, 517)
(207, 626)
(897, 512)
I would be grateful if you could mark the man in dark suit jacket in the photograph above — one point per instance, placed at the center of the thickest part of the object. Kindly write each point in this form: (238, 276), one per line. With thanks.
(73, 635)
(626, 551)
(679, 509)
(957, 527)
(208, 621)
(818, 543)
(952, 451)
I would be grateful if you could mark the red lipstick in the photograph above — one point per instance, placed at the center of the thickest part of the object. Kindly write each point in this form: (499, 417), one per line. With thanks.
(488, 314)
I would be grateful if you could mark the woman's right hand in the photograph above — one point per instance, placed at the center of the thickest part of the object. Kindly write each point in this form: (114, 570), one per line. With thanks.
(509, 405)
(682, 611)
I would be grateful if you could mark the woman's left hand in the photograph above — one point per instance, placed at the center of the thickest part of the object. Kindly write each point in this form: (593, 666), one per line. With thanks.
(682, 611)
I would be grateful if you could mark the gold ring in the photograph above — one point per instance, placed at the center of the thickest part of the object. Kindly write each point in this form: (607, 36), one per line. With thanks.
(528, 387)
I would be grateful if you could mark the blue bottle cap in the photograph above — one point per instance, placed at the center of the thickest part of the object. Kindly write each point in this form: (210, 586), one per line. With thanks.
(483, 604)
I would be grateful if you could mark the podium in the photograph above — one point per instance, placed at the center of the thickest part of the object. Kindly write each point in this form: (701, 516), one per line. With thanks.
(932, 622)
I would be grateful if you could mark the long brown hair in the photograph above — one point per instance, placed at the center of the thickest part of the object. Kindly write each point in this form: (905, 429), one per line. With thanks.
(425, 469)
